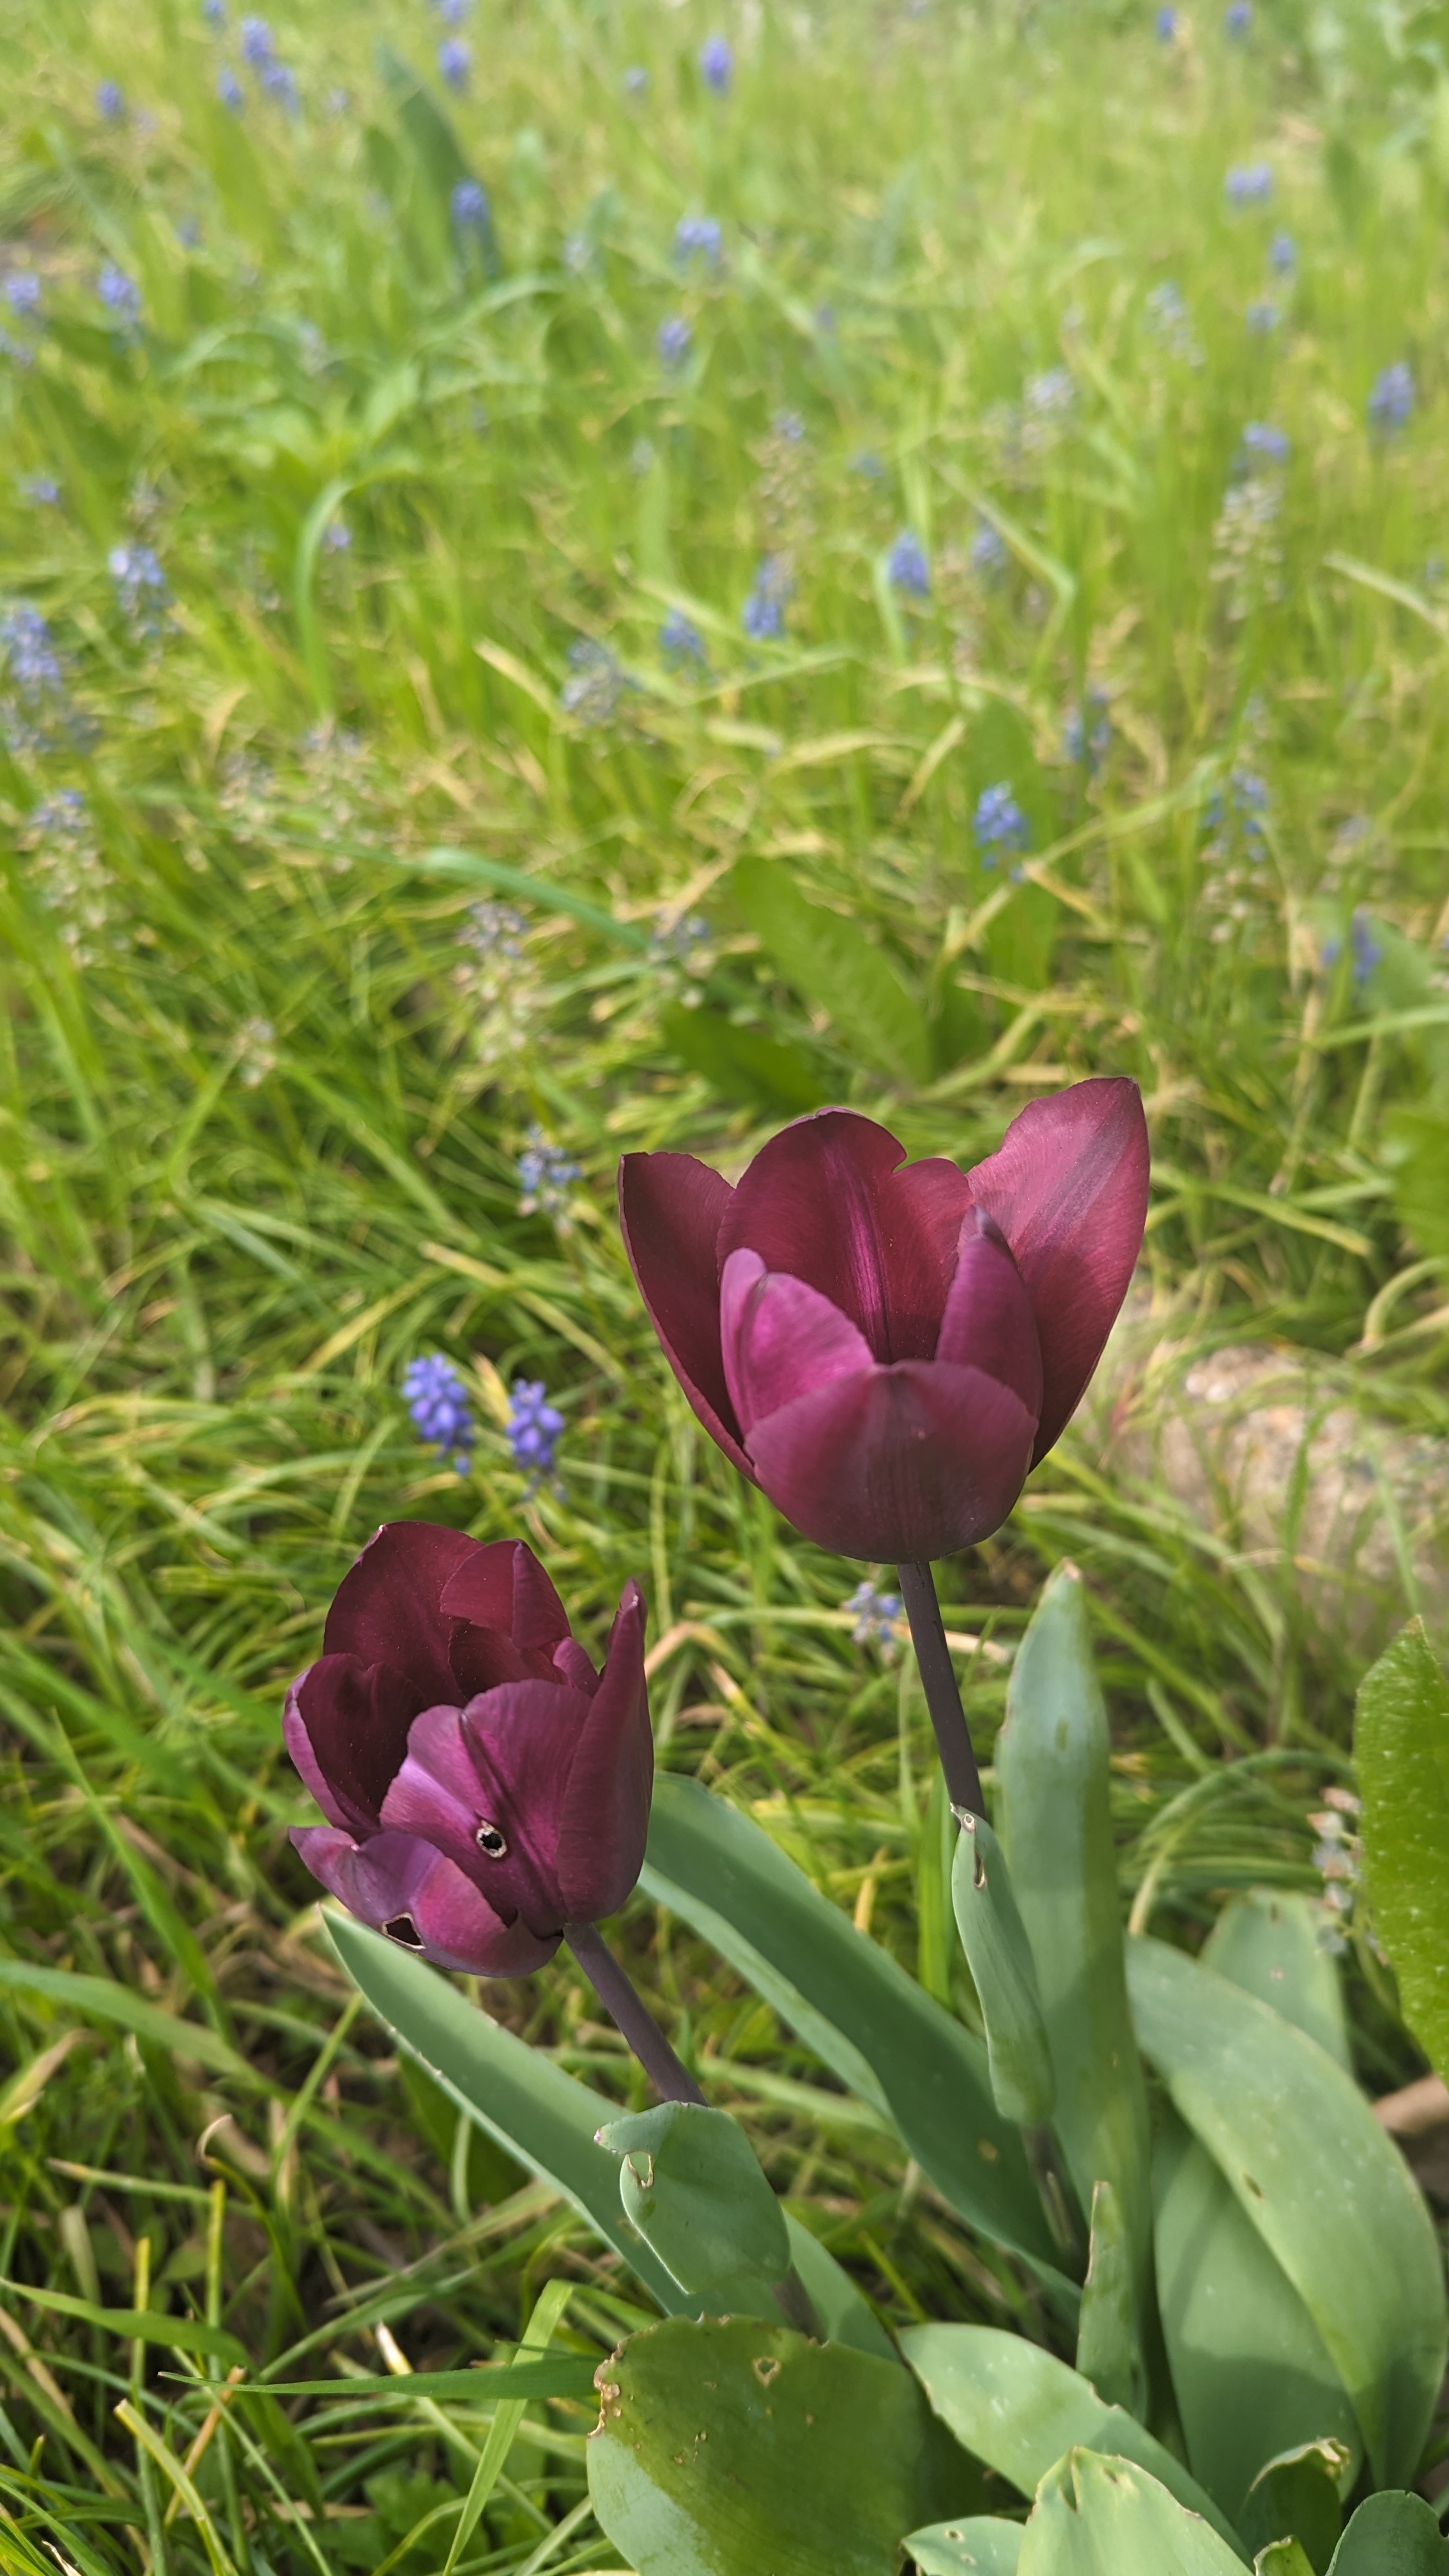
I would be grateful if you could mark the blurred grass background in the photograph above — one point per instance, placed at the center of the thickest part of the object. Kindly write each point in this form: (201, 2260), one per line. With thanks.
(395, 786)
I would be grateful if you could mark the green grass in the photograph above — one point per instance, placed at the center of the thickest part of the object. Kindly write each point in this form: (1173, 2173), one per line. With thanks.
(262, 1106)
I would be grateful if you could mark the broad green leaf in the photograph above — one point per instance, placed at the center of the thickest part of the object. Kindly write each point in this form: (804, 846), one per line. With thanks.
(731, 2449)
(97, 1999)
(741, 1064)
(550, 2121)
(690, 2183)
(998, 1954)
(1055, 1819)
(846, 1998)
(1018, 2408)
(1320, 2180)
(1296, 2497)
(1392, 2534)
(1098, 2516)
(1250, 2370)
(981, 2545)
(1416, 1151)
(834, 966)
(1266, 1941)
(544, 2117)
(1108, 2353)
(1282, 2558)
(1401, 1747)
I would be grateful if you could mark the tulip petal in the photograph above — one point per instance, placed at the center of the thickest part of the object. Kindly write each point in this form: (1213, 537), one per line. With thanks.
(780, 1338)
(827, 1202)
(1068, 1188)
(352, 1719)
(605, 1819)
(504, 1587)
(671, 1209)
(501, 1764)
(401, 1886)
(901, 1464)
(385, 1610)
(573, 1666)
(988, 1323)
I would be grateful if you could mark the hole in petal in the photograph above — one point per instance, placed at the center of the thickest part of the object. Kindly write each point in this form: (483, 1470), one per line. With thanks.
(491, 1842)
(402, 1929)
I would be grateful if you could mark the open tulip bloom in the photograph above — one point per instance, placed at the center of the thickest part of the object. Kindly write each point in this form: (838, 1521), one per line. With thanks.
(487, 1792)
(887, 1348)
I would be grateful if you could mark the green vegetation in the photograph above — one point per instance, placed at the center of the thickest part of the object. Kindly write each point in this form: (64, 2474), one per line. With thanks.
(451, 555)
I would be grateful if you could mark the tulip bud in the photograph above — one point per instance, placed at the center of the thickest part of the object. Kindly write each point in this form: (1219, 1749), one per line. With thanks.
(485, 1788)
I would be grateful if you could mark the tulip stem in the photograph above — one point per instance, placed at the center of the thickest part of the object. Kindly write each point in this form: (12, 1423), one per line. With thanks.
(629, 2014)
(943, 1696)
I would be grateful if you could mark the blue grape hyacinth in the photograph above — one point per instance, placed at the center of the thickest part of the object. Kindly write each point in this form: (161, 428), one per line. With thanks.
(697, 237)
(534, 1428)
(907, 568)
(1392, 398)
(438, 1403)
(998, 823)
(717, 64)
(1249, 183)
(672, 340)
(763, 614)
(877, 1614)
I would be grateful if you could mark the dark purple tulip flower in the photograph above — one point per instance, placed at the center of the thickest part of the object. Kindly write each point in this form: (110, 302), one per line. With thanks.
(886, 1348)
(485, 1788)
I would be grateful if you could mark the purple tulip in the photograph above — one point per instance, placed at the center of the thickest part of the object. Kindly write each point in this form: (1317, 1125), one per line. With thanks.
(887, 1351)
(485, 1789)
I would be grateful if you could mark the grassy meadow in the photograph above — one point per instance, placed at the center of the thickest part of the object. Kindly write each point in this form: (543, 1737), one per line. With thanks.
(489, 681)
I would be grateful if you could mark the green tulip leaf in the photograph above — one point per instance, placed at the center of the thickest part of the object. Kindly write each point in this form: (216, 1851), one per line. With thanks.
(1097, 2516)
(1401, 1746)
(1018, 2408)
(1250, 2370)
(1296, 2497)
(998, 1954)
(1108, 2353)
(551, 2123)
(729, 2448)
(742, 1064)
(1055, 1819)
(1282, 2558)
(691, 2185)
(1266, 1941)
(1392, 2534)
(1320, 2180)
(846, 1998)
(835, 967)
(981, 2545)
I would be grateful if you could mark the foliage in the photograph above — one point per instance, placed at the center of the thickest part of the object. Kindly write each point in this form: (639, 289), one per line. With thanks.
(371, 841)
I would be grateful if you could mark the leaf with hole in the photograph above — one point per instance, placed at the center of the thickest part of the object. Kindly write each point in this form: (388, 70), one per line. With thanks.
(730, 2449)
(980, 2545)
(1098, 2516)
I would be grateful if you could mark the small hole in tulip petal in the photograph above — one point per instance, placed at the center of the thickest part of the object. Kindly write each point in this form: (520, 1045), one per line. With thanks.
(491, 1842)
(404, 1930)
